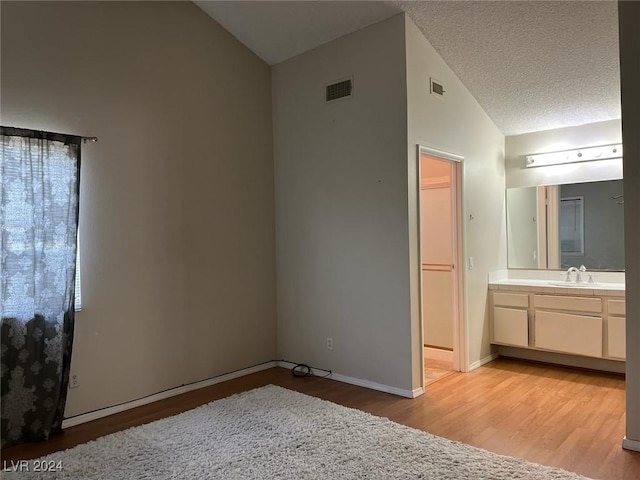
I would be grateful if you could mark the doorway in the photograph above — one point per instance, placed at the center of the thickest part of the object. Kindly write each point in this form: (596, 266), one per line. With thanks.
(439, 210)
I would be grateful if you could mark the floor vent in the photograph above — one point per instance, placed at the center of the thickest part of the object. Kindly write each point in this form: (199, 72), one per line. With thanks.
(339, 90)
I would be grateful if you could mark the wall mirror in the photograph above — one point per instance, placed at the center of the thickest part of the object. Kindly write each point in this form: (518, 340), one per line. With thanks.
(562, 226)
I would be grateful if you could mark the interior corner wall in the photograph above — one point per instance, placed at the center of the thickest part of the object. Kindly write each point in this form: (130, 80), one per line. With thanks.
(341, 207)
(456, 123)
(177, 197)
(558, 139)
(629, 16)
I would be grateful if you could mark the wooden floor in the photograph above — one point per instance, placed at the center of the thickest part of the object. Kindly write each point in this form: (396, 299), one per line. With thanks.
(435, 369)
(549, 415)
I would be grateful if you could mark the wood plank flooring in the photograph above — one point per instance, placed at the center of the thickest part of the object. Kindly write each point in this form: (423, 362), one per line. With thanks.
(434, 370)
(555, 416)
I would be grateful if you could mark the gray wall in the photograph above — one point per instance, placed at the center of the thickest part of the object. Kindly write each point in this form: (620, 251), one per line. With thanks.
(177, 218)
(603, 225)
(629, 18)
(341, 207)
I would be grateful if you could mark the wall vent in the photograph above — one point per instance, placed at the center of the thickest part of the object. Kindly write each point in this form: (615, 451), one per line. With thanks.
(436, 87)
(338, 90)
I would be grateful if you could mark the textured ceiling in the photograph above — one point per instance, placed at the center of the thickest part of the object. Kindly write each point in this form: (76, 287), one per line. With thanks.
(531, 65)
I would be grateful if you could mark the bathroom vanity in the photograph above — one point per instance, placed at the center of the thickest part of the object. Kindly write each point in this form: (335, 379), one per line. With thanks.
(585, 320)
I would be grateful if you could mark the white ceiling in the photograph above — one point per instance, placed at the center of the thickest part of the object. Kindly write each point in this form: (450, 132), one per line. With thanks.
(531, 65)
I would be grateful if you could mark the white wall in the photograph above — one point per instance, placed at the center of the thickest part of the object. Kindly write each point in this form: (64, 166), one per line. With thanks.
(456, 124)
(629, 16)
(341, 207)
(568, 138)
(176, 218)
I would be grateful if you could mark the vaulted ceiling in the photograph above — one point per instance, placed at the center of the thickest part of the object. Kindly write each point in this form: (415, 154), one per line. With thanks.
(531, 65)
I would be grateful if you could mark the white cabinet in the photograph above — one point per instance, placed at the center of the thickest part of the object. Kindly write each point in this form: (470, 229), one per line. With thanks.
(520, 300)
(586, 325)
(510, 319)
(616, 329)
(616, 307)
(510, 327)
(575, 304)
(568, 333)
(616, 345)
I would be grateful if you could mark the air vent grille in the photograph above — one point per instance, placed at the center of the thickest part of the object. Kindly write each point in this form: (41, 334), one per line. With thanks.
(339, 90)
(437, 88)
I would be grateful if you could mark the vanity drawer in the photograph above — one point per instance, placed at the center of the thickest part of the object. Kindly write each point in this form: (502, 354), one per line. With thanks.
(616, 337)
(576, 304)
(511, 300)
(562, 332)
(510, 327)
(616, 307)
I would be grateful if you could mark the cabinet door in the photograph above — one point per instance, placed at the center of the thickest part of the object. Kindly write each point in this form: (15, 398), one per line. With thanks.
(510, 327)
(576, 304)
(617, 307)
(566, 333)
(511, 299)
(616, 337)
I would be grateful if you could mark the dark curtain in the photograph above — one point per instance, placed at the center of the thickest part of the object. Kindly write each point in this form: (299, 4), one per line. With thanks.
(39, 199)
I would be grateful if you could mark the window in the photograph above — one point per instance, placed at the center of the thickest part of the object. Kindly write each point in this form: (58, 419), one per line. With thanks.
(78, 298)
(39, 183)
(572, 226)
(39, 190)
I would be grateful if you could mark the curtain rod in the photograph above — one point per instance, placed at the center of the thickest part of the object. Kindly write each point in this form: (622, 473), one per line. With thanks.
(27, 132)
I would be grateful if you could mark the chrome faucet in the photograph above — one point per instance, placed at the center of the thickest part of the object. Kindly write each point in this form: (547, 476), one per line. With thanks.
(578, 273)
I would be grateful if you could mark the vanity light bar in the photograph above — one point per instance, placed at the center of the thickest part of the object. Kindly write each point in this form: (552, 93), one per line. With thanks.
(604, 152)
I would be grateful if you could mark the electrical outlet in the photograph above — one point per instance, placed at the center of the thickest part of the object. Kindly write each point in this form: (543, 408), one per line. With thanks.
(470, 263)
(329, 343)
(74, 381)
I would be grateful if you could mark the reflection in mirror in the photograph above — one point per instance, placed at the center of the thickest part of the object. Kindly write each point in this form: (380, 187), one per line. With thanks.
(562, 226)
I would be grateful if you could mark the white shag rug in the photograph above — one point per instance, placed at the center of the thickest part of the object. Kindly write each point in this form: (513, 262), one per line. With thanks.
(275, 433)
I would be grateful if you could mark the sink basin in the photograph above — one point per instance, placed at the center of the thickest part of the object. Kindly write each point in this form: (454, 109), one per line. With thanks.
(575, 285)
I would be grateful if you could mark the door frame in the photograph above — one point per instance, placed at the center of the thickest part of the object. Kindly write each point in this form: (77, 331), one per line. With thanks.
(460, 342)
(549, 227)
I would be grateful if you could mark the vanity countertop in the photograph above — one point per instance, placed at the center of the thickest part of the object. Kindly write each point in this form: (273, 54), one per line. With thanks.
(546, 286)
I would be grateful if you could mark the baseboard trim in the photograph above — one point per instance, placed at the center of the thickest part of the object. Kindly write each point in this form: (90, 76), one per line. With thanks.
(568, 360)
(361, 383)
(105, 412)
(438, 354)
(629, 444)
(483, 361)
(417, 392)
